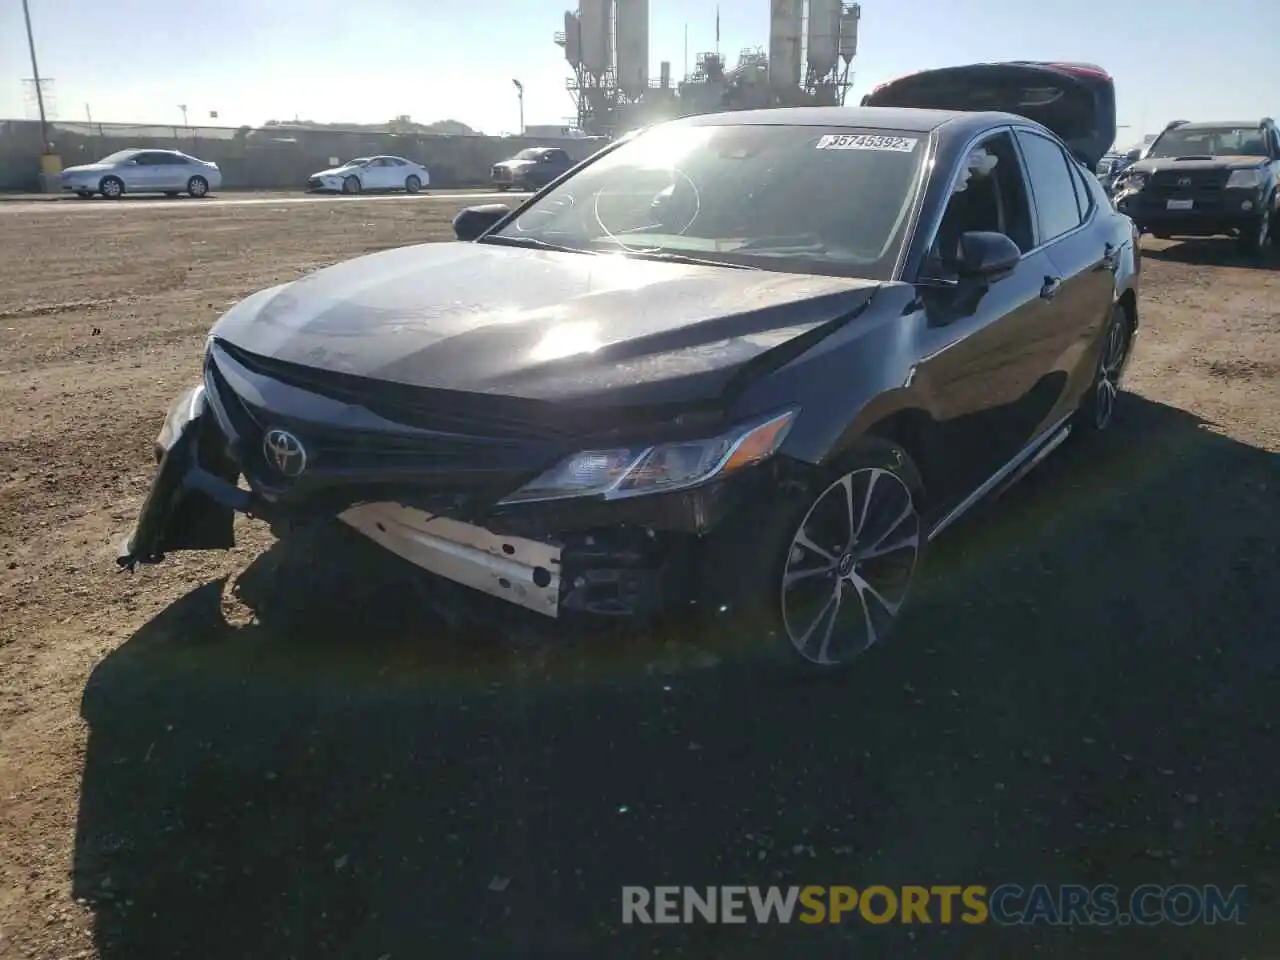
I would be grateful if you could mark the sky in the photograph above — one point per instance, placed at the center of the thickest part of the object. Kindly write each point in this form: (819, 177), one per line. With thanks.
(366, 61)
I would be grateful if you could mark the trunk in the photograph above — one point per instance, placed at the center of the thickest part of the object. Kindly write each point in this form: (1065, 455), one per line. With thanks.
(1076, 101)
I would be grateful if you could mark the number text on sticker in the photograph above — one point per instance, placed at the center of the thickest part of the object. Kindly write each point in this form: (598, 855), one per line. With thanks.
(866, 141)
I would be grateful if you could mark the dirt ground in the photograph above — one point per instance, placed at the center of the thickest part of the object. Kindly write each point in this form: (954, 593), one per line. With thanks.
(278, 752)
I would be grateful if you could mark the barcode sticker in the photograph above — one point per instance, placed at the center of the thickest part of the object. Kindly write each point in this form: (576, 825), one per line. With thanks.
(866, 141)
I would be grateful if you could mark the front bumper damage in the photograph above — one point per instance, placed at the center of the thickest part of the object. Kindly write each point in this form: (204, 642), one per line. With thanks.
(632, 557)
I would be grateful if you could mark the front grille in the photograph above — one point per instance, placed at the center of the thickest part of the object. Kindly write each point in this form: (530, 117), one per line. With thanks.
(341, 449)
(315, 183)
(501, 173)
(1193, 180)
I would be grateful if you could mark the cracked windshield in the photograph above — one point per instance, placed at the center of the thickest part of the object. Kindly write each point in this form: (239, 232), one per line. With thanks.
(632, 479)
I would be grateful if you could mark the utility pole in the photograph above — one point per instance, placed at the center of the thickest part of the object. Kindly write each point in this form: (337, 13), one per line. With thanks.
(35, 73)
(183, 108)
(520, 95)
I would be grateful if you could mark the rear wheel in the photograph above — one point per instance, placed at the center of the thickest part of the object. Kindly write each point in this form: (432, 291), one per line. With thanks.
(1099, 407)
(351, 185)
(198, 187)
(111, 187)
(412, 184)
(830, 571)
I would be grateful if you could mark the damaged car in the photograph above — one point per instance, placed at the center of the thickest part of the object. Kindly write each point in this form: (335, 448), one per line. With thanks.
(744, 363)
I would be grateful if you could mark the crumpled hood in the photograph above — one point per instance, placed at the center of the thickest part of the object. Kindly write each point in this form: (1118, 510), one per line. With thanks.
(537, 324)
(336, 171)
(1153, 164)
(89, 168)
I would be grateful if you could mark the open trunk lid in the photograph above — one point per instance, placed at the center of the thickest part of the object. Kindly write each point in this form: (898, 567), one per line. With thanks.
(1076, 101)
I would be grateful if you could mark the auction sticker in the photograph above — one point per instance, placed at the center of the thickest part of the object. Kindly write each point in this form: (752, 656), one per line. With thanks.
(866, 141)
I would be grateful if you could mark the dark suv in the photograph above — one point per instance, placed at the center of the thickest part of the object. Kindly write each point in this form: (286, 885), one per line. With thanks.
(531, 169)
(1206, 179)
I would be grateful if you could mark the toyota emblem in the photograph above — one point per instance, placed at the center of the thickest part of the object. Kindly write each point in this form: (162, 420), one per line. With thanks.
(1184, 181)
(285, 453)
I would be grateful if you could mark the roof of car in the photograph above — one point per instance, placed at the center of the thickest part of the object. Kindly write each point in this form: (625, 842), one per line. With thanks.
(873, 118)
(1204, 124)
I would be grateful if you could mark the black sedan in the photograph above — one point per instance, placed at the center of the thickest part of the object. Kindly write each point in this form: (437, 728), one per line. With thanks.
(751, 362)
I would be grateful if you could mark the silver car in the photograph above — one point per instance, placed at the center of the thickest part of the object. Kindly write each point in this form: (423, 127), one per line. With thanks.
(143, 171)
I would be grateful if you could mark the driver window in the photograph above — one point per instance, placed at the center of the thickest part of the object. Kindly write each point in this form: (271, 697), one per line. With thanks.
(989, 195)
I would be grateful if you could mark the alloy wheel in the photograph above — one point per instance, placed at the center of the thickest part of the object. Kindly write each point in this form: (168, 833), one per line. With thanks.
(198, 187)
(850, 566)
(1110, 370)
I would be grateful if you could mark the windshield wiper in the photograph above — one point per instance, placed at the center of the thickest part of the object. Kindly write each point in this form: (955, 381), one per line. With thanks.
(532, 243)
(665, 256)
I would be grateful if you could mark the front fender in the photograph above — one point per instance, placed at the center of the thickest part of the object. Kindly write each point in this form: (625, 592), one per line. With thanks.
(857, 377)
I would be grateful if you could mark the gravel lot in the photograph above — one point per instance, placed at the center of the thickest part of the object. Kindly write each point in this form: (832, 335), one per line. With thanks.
(278, 752)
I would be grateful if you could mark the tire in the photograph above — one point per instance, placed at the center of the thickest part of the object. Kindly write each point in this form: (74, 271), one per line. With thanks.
(1255, 238)
(111, 187)
(198, 187)
(819, 580)
(351, 185)
(1097, 412)
(412, 185)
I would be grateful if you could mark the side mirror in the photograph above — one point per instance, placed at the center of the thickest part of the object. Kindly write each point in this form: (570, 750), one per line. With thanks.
(986, 255)
(473, 221)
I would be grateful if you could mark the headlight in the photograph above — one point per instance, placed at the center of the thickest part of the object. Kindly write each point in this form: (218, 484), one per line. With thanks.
(1134, 181)
(1245, 179)
(631, 471)
(185, 409)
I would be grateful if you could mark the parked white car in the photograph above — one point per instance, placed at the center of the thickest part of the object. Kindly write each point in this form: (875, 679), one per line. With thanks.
(143, 171)
(371, 173)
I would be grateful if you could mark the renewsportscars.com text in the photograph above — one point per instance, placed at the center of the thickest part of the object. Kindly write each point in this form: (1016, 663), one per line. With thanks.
(1005, 905)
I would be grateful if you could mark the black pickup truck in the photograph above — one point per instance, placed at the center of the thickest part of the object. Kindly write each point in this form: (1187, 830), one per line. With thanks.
(1207, 179)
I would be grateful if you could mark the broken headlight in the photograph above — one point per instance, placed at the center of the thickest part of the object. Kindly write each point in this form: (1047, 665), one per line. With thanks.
(632, 471)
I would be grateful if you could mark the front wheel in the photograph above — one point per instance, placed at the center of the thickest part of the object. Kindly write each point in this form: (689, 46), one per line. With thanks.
(351, 185)
(111, 187)
(831, 572)
(1254, 238)
(198, 187)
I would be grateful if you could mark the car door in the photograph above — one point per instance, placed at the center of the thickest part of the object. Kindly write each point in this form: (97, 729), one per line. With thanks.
(377, 174)
(1084, 261)
(171, 171)
(981, 360)
(143, 174)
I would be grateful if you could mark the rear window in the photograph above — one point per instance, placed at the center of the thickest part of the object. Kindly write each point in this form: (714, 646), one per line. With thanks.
(789, 198)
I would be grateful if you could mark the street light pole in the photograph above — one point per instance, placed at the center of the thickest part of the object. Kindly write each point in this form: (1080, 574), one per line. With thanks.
(35, 73)
(520, 95)
(183, 108)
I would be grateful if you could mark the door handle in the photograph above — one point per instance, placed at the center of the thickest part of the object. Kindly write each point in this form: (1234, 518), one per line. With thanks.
(1051, 287)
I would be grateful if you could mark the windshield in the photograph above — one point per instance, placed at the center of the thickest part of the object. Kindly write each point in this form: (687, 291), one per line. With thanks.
(357, 162)
(1217, 141)
(120, 156)
(787, 198)
(530, 154)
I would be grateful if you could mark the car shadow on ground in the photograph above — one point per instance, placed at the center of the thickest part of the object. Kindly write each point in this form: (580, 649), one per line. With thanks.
(1213, 252)
(1084, 693)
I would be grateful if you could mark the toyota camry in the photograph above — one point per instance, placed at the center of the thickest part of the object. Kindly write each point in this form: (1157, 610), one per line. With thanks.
(752, 362)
